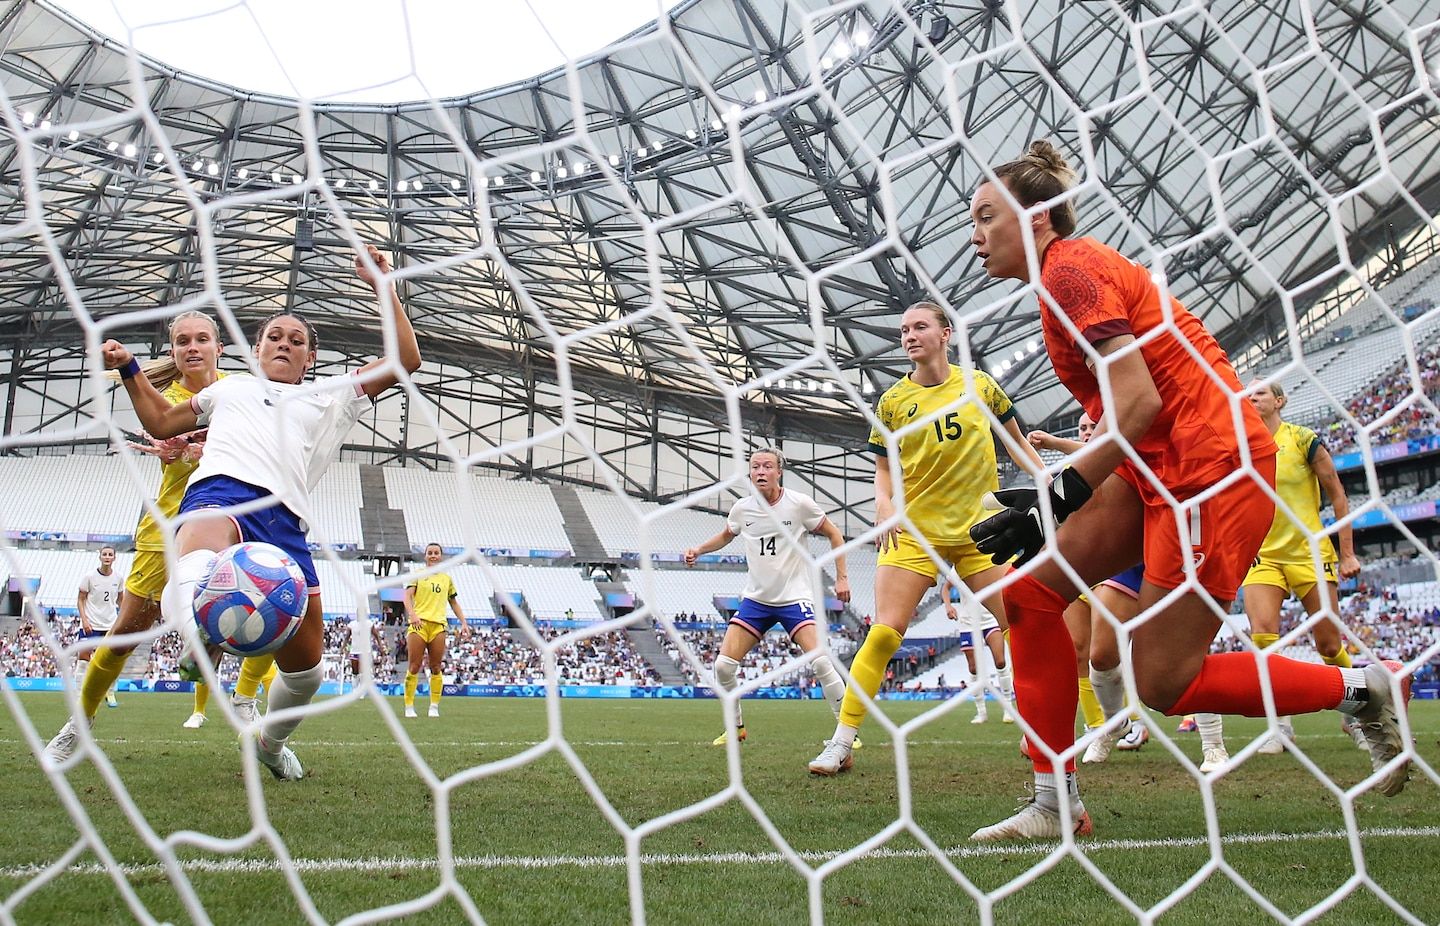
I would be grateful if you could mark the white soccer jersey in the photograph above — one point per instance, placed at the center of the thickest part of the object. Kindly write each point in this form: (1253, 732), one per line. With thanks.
(778, 573)
(102, 597)
(277, 436)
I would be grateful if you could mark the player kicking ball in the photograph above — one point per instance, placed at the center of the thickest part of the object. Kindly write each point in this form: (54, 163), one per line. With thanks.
(778, 590)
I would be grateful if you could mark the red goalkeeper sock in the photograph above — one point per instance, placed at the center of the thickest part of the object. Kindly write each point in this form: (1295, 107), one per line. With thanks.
(1046, 688)
(1229, 683)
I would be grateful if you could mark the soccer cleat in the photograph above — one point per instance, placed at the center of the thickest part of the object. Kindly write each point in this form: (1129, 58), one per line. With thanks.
(1099, 750)
(1188, 725)
(247, 709)
(434, 711)
(1275, 745)
(1135, 737)
(110, 700)
(196, 721)
(410, 712)
(284, 766)
(980, 718)
(1215, 759)
(1380, 724)
(1034, 822)
(724, 738)
(62, 747)
(1352, 728)
(835, 758)
(1006, 718)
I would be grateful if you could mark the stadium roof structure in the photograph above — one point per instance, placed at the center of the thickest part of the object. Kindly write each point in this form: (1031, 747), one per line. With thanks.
(742, 194)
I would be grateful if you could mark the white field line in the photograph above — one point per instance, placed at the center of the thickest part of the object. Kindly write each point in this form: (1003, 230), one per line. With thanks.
(394, 863)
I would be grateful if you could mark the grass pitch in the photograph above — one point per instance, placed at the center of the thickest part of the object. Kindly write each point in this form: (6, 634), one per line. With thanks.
(532, 846)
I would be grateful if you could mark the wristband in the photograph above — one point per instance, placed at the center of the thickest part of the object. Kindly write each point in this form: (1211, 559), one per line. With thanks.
(129, 370)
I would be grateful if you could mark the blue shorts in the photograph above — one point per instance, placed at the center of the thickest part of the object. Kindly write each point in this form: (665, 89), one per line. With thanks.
(276, 525)
(90, 634)
(967, 637)
(1128, 581)
(758, 618)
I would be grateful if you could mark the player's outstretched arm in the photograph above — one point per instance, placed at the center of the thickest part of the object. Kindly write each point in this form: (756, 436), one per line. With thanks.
(842, 572)
(710, 546)
(1025, 455)
(157, 415)
(406, 346)
(1323, 466)
(1136, 403)
(1044, 440)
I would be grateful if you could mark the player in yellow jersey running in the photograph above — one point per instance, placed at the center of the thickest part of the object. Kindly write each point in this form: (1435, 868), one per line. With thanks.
(192, 365)
(425, 597)
(939, 419)
(1287, 561)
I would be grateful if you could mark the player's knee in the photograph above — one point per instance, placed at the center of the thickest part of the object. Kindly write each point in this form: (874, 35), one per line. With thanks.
(823, 667)
(725, 670)
(1104, 659)
(1159, 690)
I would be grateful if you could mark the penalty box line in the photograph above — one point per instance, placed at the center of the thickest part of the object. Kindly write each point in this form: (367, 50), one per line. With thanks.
(534, 862)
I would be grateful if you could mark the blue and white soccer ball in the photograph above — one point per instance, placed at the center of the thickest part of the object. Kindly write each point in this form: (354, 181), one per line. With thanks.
(253, 600)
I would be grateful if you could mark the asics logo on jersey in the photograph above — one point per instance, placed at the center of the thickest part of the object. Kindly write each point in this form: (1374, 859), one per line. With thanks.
(913, 409)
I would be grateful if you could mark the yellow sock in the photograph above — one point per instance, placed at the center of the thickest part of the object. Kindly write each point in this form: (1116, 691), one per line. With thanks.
(1263, 640)
(437, 687)
(1090, 705)
(1341, 659)
(868, 670)
(269, 675)
(253, 671)
(105, 667)
(202, 697)
(411, 682)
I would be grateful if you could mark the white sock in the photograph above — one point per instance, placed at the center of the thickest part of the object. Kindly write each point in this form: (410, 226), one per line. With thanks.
(982, 709)
(725, 671)
(1046, 791)
(1109, 687)
(290, 689)
(830, 683)
(177, 602)
(844, 734)
(1006, 681)
(81, 667)
(1357, 691)
(1212, 731)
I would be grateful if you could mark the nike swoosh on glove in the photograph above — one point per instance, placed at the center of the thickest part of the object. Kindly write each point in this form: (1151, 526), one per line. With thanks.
(1018, 531)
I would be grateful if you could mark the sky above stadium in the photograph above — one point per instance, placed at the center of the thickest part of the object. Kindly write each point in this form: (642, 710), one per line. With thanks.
(375, 51)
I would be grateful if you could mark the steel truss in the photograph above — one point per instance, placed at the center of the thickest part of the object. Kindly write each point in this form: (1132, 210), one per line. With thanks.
(676, 265)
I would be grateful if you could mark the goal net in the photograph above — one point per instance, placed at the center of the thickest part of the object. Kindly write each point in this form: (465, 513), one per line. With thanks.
(625, 275)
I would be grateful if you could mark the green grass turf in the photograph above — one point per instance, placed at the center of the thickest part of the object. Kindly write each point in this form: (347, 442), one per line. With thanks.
(363, 800)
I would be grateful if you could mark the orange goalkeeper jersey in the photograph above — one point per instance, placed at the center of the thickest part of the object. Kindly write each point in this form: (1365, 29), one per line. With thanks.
(1194, 441)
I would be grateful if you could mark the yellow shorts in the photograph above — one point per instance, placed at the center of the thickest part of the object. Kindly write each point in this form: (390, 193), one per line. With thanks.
(1296, 577)
(147, 575)
(429, 630)
(910, 555)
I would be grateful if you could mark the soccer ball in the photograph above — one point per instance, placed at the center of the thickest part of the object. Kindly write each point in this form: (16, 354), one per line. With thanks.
(252, 601)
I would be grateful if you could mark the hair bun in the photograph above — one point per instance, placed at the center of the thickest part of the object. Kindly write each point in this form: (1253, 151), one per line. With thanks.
(1049, 159)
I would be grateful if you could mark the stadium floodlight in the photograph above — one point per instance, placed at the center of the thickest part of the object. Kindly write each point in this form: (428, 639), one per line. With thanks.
(294, 178)
(716, 125)
(761, 96)
(402, 186)
(73, 136)
(213, 169)
(242, 173)
(374, 185)
(614, 160)
(112, 146)
(454, 184)
(44, 125)
(27, 117)
(1032, 345)
(690, 134)
(157, 157)
(274, 176)
(534, 176)
(861, 37)
(561, 172)
(129, 151)
(658, 143)
(827, 62)
(340, 183)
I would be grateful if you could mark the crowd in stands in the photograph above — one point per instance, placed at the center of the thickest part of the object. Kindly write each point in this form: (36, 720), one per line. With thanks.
(496, 656)
(773, 650)
(1380, 397)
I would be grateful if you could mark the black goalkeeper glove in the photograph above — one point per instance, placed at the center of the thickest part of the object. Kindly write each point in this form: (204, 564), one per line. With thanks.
(1019, 528)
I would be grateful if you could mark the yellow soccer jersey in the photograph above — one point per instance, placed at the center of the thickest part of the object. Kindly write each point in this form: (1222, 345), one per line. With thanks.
(174, 477)
(1297, 486)
(948, 463)
(432, 593)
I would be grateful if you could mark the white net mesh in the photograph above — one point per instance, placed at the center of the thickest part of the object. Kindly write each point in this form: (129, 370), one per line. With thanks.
(689, 244)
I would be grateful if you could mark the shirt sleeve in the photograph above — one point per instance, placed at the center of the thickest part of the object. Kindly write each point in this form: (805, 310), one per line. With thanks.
(814, 515)
(203, 403)
(1310, 443)
(995, 398)
(877, 440)
(413, 581)
(732, 520)
(453, 592)
(85, 583)
(1085, 287)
